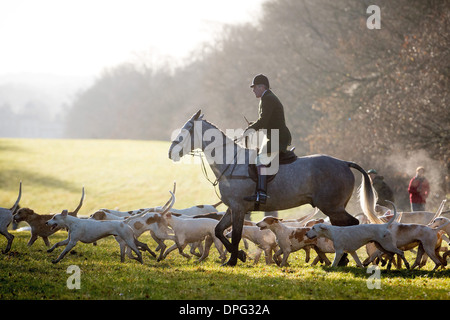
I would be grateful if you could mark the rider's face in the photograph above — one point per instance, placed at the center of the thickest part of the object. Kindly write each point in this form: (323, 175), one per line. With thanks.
(258, 90)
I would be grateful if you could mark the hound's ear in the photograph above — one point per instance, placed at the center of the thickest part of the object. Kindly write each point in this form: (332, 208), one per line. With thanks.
(64, 213)
(197, 115)
(271, 220)
(322, 226)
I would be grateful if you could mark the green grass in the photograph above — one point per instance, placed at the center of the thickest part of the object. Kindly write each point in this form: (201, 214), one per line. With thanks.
(136, 174)
(27, 273)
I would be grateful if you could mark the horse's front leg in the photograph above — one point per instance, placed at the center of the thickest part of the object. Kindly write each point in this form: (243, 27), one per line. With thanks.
(236, 236)
(223, 224)
(237, 219)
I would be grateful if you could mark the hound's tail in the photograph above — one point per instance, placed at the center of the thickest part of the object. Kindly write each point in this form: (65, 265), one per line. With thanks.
(75, 212)
(395, 213)
(441, 226)
(439, 211)
(367, 195)
(16, 204)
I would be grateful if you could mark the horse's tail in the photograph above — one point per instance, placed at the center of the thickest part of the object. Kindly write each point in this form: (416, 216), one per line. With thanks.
(367, 195)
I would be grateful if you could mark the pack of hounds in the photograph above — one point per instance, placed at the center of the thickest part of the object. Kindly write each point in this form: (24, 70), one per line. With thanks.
(384, 237)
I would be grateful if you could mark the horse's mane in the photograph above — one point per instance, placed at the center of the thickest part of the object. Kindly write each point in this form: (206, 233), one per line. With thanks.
(231, 140)
(216, 127)
(213, 125)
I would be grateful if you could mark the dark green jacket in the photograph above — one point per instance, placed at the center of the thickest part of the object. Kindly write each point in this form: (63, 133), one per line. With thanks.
(383, 191)
(271, 116)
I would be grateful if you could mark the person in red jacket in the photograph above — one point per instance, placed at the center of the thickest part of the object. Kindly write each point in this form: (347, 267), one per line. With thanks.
(419, 189)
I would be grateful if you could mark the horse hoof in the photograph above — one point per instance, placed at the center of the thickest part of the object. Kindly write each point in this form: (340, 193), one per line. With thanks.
(344, 261)
(242, 255)
(229, 263)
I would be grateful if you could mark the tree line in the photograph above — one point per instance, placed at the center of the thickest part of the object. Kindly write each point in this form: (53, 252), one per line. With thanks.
(375, 96)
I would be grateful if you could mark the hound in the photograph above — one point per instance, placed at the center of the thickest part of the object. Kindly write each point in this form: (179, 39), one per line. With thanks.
(153, 222)
(265, 240)
(441, 223)
(409, 235)
(189, 230)
(6, 217)
(289, 239)
(300, 222)
(191, 211)
(212, 215)
(306, 222)
(104, 214)
(37, 222)
(89, 231)
(418, 217)
(108, 214)
(351, 238)
(324, 244)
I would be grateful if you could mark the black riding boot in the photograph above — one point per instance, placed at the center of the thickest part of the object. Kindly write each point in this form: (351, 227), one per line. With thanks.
(260, 196)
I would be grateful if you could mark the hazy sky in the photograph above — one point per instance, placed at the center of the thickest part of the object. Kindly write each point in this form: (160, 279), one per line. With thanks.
(81, 37)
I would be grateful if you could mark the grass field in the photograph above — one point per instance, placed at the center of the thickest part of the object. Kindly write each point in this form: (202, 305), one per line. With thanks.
(135, 174)
(116, 174)
(27, 273)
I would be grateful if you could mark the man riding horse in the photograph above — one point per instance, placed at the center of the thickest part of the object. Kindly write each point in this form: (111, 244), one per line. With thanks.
(324, 182)
(271, 117)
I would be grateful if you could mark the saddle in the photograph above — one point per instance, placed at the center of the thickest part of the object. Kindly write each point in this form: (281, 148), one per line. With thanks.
(286, 157)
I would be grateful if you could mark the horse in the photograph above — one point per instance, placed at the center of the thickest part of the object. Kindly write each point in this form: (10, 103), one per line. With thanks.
(322, 181)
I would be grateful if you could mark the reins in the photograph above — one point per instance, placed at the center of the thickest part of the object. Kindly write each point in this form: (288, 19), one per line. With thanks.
(205, 173)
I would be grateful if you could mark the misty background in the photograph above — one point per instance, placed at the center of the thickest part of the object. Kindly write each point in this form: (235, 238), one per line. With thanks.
(376, 97)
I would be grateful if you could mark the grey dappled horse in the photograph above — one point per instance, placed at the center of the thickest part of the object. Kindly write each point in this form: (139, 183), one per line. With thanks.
(319, 180)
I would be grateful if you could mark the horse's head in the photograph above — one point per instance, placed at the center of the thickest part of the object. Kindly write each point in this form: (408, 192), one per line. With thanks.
(184, 141)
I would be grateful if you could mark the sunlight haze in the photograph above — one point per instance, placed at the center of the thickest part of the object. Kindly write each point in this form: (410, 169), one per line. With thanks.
(83, 37)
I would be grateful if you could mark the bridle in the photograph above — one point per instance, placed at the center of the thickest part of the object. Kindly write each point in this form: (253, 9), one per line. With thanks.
(199, 153)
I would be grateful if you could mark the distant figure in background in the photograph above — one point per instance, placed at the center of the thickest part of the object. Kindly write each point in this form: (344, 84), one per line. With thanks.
(383, 190)
(419, 189)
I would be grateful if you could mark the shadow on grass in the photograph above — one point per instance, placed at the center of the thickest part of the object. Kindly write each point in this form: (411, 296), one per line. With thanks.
(297, 283)
(393, 273)
(8, 146)
(203, 283)
(29, 274)
(11, 178)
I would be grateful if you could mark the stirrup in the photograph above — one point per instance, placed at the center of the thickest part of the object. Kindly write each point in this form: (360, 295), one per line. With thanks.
(259, 197)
